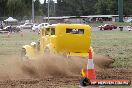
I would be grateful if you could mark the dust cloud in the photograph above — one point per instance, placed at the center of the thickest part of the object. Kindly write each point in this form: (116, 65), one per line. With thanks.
(48, 65)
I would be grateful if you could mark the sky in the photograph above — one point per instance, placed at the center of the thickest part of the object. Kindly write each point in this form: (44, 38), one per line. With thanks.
(42, 1)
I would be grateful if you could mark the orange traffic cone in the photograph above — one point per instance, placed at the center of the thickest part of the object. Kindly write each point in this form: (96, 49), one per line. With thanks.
(90, 72)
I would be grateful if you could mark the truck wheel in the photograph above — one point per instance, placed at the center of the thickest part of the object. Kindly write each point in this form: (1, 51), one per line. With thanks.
(23, 55)
(85, 82)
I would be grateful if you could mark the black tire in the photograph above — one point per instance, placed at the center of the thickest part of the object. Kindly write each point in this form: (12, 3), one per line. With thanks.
(85, 82)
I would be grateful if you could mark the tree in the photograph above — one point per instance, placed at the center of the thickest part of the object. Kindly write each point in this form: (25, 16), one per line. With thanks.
(127, 7)
(106, 7)
(44, 8)
(101, 7)
(27, 8)
(88, 7)
(51, 8)
(75, 7)
(37, 6)
(19, 8)
(3, 7)
(59, 10)
(23, 8)
(111, 7)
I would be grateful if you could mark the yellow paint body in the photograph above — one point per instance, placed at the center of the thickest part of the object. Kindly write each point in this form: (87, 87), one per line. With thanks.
(67, 39)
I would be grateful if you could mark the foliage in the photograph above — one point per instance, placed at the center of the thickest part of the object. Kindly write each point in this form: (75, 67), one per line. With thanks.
(91, 7)
(105, 7)
(37, 7)
(75, 7)
(3, 7)
(127, 7)
(19, 8)
(22, 8)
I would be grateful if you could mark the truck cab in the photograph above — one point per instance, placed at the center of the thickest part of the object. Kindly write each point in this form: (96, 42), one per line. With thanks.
(66, 39)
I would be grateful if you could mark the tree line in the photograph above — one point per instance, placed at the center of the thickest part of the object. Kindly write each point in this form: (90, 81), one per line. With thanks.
(19, 8)
(22, 8)
(92, 7)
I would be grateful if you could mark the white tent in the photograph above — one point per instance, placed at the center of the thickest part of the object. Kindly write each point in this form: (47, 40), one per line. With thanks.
(10, 19)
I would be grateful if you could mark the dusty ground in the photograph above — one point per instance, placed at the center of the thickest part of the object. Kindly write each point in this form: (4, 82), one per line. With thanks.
(54, 72)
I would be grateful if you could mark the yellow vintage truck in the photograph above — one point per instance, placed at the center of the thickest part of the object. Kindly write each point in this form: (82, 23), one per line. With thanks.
(65, 39)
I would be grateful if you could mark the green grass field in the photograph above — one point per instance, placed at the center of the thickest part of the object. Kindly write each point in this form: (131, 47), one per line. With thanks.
(13, 44)
(116, 44)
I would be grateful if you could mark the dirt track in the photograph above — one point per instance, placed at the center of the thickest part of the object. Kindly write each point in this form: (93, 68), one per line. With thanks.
(56, 82)
(62, 73)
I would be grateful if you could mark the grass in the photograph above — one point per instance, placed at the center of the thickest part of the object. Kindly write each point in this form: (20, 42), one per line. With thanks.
(12, 45)
(115, 44)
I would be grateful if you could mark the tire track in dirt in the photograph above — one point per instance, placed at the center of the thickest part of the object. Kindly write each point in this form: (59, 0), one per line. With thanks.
(57, 82)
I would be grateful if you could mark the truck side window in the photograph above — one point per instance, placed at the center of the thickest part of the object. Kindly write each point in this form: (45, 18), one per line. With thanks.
(47, 31)
(52, 31)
